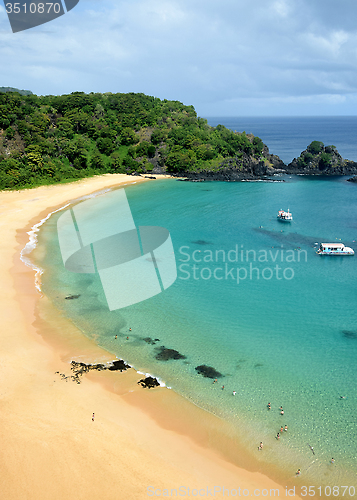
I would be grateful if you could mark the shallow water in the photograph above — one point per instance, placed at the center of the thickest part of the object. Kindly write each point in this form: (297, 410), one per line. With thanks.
(285, 335)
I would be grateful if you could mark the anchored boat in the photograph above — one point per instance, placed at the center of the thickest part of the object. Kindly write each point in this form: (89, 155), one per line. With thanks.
(334, 249)
(285, 216)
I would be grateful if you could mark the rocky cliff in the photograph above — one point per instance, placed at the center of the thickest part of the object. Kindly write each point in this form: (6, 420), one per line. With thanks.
(318, 159)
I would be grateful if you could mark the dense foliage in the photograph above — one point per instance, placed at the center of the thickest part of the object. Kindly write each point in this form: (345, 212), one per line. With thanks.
(319, 156)
(48, 139)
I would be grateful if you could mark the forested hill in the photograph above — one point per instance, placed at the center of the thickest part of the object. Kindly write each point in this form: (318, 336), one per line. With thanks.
(47, 139)
(12, 89)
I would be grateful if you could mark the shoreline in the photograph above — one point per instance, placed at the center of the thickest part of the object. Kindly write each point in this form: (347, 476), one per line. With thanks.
(46, 428)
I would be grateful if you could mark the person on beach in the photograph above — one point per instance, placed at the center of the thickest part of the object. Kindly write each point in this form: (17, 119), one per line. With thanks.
(298, 472)
(278, 435)
(260, 446)
(93, 417)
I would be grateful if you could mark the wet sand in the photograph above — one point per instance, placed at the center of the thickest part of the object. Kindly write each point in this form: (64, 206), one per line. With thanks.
(142, 443)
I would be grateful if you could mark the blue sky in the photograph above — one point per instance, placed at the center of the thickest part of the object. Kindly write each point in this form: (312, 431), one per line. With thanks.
(226, 57)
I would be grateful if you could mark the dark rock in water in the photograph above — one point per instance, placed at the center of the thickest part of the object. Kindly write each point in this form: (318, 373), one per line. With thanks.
(71, 297)
(149, 177)
(352, 179)
(119, 365)
(149, 340)
(80, 368)
(208, 371)
(348, 334)
(318, 159)
(149, 382)
(201, 242)
(164, 354)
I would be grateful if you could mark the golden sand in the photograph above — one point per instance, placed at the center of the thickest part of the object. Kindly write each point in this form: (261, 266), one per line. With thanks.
(141, 444)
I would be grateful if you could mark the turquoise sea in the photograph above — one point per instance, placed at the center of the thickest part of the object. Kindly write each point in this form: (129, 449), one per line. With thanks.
(254, 301)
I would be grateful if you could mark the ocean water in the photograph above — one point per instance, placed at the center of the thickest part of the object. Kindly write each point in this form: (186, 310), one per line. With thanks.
(287, 137)
(254, 301)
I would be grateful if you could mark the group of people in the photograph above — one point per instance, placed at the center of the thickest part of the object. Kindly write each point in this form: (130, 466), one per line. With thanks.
(281, 408)
(284, 429)
(116, 336)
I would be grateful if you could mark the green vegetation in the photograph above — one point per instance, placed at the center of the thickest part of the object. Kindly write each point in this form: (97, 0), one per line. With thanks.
(315, 147)
(49, 139)
(318, 156)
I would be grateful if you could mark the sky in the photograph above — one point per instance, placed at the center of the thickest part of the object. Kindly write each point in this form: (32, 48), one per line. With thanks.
(224, 57)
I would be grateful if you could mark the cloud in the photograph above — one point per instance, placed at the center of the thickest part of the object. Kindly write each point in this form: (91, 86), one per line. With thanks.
(204, 53)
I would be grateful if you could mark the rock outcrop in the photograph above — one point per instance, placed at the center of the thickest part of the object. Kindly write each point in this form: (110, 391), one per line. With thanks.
(318, 159)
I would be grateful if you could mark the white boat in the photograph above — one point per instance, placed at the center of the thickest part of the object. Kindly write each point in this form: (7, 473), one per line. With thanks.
(334, 249)
(285, 216)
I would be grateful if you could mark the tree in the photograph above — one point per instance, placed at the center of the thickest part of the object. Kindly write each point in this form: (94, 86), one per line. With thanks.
(315, 147)
(97, 161)
(9, 133)
(105, 145)
(34, 158)
(128, 137)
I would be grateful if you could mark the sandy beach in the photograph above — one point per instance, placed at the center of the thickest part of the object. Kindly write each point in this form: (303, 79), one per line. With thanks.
(142, 443)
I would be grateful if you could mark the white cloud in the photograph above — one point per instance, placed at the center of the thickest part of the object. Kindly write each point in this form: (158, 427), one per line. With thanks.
(205, 53)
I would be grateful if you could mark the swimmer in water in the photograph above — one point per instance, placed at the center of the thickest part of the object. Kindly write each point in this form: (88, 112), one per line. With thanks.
(312, 449)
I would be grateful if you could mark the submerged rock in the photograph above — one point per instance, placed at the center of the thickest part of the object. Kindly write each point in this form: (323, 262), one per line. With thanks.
(202, 242)
(149, 382)
(164, 354)
(348, 334)
(151, 341)
(71, 297)
(208, 371)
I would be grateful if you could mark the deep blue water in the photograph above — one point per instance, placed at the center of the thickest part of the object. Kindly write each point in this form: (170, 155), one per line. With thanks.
(288, 137)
